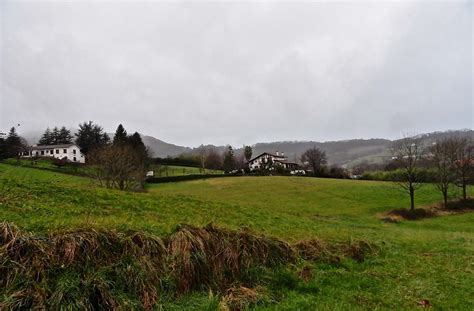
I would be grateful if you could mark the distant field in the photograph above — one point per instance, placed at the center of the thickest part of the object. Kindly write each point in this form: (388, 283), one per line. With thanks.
(430, 259)
(173, 170)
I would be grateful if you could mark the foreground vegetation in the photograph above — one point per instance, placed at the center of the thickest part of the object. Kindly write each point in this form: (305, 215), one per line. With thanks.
(422, 260)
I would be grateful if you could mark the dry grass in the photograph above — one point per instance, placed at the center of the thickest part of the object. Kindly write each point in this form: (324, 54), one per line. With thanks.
(101, 269)
(452, 208)
(239, 298)
(216, 257)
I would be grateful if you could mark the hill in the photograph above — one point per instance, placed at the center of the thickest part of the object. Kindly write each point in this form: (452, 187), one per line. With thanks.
(418, 261)
(163, 149)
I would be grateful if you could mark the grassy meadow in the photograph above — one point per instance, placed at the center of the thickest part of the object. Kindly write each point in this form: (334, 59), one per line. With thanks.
(176, 170)
(430, 259)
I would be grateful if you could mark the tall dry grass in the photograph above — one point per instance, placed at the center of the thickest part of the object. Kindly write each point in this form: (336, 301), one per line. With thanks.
(102, 269)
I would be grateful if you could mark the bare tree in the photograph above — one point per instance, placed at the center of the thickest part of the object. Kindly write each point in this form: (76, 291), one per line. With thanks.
(315, 159)
(463, 159)
(441, 156)
(213, 159)
(407, 152)
(202, 152)
(118, 166)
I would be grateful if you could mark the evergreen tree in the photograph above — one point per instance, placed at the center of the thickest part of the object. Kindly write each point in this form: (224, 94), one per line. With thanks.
(3, 148)
(90, 136)
(120, 137)
(14, 144)
(136, 142)
(248, 153)
(229, 160)
(65, 136)
(55, 136)
(46, 139)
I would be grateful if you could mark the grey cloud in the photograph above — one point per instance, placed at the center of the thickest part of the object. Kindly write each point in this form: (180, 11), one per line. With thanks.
(192, 73)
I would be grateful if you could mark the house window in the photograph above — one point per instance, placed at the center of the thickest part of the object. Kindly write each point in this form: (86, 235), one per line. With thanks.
(64, 150)
(42, 152)
(51, 151)
(74, 159)
(57, 151)
(36, 152)
(74, 151)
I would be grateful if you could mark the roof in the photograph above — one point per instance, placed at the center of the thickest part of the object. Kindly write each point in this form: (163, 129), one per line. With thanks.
(44, 147)
(271, 154)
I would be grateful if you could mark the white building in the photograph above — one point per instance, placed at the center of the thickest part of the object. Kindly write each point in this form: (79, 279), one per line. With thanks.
(70, 152)
(276, 159)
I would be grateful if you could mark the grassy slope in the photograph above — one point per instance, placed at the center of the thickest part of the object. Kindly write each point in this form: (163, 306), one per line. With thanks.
(430, 259)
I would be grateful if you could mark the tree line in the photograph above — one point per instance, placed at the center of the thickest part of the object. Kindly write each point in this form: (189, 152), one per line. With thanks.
(451, 160)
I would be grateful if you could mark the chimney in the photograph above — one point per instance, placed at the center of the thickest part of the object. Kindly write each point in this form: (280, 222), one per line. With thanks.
(282, 154)
(277, 153)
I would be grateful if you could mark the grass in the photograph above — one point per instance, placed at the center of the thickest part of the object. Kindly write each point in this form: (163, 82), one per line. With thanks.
(428, 259)
(174, 170)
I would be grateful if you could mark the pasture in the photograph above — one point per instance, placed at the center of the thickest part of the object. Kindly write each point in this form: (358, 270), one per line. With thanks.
(430, 259)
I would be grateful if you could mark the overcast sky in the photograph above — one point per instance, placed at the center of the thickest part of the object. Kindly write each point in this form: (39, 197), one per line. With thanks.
(234, 73)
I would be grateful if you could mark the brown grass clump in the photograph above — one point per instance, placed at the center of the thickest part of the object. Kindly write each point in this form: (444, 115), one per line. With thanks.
(215, 257)
(306, 273)
(102, 269)
(318, 250)
(240, 297)
(418, 213)
(62, 268)
(358, 250)
(452, 208)
(315, 250)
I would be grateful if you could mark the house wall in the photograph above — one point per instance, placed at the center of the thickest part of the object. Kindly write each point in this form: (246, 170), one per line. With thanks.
(71, 153)
(257, 163)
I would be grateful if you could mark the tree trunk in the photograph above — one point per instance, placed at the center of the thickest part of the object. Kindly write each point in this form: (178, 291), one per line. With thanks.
(445, 196)
(464, 194)
(412, 199)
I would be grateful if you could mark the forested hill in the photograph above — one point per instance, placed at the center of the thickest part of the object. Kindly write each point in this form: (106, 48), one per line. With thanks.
(344, 152)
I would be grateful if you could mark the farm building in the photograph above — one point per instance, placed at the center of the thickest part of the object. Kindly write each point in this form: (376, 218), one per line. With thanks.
(70, 152)
(264, 159)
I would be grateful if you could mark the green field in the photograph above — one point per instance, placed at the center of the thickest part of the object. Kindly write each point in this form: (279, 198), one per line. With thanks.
(429, 259)
(174, 170)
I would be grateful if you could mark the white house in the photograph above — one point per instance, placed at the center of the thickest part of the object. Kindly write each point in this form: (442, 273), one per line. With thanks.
(70, 152)
(276, 159)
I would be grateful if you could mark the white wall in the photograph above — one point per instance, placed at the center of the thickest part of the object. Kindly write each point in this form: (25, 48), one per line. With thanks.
(72, 153)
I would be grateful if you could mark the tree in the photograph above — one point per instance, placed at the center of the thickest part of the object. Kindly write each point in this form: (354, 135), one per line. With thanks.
(90, 136)
(315, 159)
(46, 138)
(248, 153)
(213, 160)
(136, 142)
(14, 144)
(3, 148)
(121, 136)
(462, 156)
(64, 136)
(229, 160)
(407, 152)
(202, 151)
(118, 166)
(55, 136)
(441, 153)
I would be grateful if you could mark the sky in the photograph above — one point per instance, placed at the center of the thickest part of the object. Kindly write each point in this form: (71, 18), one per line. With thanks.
(194, 73)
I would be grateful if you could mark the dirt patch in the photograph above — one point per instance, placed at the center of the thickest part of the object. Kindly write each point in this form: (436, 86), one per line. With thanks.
(452, 208)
